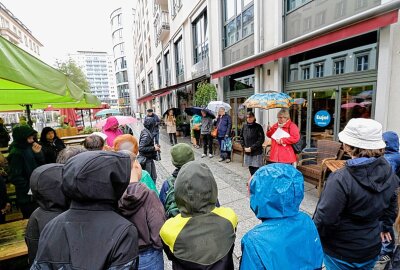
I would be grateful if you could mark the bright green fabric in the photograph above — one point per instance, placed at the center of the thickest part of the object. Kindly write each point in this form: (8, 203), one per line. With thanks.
(24, 79)
(148, 181)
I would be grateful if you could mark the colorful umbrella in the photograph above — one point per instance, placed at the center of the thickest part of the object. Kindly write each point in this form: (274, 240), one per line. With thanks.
(269, 100)
(351, 105)
(122, 120)
(214, 106)
(107, 111)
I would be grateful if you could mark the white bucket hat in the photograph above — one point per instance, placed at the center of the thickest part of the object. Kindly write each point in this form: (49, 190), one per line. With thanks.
(363, 133)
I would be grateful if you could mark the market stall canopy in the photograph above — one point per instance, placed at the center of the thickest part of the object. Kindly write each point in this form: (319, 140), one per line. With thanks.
(24, 80)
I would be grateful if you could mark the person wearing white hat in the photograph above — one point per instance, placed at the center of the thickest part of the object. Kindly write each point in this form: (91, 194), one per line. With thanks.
(356, 198)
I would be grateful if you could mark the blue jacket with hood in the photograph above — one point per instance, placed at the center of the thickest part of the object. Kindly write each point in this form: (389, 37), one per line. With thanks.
(286, 238)
(392, 154)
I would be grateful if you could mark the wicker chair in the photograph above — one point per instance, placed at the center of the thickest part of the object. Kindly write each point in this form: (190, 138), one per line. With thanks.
(314, 173)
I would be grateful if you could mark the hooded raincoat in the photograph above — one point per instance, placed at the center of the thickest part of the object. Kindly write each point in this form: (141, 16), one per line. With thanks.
(354, 201)
(91, 235)
(46, 182)
(286, 238)
(110, 132)
(201, 236)
(22, 161)
(392, 154)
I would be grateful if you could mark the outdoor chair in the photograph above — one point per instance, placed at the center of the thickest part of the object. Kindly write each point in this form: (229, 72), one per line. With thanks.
(237, 148)
(314, 172)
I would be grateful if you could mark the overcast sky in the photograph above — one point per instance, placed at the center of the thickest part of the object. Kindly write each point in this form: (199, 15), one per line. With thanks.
(65, 26)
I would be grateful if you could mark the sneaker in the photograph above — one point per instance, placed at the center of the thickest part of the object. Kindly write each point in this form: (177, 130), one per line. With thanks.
(228, 160)
(203, 155)
(382, 262)
(210, 156)
(221, 159)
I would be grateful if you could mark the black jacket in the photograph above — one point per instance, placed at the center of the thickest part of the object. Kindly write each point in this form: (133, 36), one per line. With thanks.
(50, 149)
(355, 198)
(45, 184)
(146, 139)
(4, 136)
(91, 235)
(252, 135)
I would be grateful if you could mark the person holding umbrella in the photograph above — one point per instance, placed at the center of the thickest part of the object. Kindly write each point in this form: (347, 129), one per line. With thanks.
(170, 121)
(205, 130)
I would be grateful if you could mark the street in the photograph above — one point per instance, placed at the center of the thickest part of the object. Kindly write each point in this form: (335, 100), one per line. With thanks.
(231, 179)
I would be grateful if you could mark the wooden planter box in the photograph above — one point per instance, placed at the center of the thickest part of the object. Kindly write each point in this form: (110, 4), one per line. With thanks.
(64, 132)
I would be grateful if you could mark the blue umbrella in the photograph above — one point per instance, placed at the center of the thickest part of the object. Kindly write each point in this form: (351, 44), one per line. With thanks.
(108, 111)
(197, 111)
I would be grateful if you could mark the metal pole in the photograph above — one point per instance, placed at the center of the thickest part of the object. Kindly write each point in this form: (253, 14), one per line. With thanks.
(90, 118)
(28, 114)
(83, 121)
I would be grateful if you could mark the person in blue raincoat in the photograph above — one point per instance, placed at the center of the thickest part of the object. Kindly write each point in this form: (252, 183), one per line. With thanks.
(286, 238)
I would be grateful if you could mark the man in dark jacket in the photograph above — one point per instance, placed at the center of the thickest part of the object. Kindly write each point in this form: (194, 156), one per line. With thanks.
(252, 139)
(46, 182)
(224, 126)
(202, 236)
(156, 129)
(25, 156)
(147, 148)
(356, 198)
(91, 235)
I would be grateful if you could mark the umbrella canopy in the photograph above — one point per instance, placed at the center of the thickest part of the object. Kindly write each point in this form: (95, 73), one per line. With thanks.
(122, 120)
(214, 106)
(197, 111)
(107, 111)
(176, 111)
(269, 100)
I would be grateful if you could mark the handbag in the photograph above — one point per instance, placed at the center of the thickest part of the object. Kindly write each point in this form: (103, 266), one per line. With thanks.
(214, 132)
(142, 160)
(300, 145)
(226, 145)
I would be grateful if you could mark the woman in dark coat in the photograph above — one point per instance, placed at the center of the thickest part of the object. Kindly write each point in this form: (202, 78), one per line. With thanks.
(147, 148)
(4, 136)
(252, 137)
(51, 144)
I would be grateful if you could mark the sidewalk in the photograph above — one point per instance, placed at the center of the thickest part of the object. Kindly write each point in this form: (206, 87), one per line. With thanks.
(231, 179)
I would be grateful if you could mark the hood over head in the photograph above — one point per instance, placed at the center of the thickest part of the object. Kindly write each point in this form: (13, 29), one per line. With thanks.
(46, 183)
(196, 191)
(96, 177)
(181, 154)
(111, 121)
(392, 141)
(133, 198)
(371, 174)
(149, 123)
(21, 132)
(276, 191)
(44, 133)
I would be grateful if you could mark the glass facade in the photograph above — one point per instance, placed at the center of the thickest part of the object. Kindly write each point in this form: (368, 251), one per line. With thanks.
(239, 20)
(200, 38)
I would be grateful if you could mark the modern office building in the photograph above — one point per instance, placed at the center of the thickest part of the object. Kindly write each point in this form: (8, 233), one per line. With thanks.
(171, 59)
(99, 70)
(121, 21)
(15, 31)
(337, 58)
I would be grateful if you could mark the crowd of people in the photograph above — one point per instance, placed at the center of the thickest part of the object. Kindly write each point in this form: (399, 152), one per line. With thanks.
(100, 200)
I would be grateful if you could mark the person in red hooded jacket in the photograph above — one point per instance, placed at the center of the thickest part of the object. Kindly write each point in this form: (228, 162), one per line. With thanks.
(281, 149)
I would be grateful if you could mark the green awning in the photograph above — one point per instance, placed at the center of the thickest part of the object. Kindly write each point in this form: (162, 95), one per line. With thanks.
(24, 79)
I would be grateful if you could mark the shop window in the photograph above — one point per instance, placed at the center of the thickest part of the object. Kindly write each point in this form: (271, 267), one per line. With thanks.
(319, 70)
(362, 62)
(305, 72)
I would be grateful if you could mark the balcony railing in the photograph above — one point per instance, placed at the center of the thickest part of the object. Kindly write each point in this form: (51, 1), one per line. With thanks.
(161, 25)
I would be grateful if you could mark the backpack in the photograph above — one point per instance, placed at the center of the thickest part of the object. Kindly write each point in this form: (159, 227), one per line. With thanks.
(171, 209)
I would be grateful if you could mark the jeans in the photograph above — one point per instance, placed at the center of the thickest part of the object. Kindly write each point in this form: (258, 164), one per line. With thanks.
(156, 136)
(172, 136)
(224, 154)
(207, 143)
(332, 263)
(151, 259)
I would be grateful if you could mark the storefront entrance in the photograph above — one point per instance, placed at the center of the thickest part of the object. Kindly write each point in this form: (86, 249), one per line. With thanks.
(321, 113)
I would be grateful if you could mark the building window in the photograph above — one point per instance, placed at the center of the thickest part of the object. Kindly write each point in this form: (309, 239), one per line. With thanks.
(143, 87)
(239, 20)
(338, 67)
(293, 4)
(167, 69)
(305, 72)
(319, 70)
(200, 38)
(159, 74)
(176, 6)
(150, 81)
(362, 62)
(179, 58)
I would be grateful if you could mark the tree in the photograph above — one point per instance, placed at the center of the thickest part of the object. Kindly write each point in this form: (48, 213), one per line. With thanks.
(74, 73)
(205, 93)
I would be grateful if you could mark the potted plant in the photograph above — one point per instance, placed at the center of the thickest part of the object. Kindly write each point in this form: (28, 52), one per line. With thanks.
(205, 93)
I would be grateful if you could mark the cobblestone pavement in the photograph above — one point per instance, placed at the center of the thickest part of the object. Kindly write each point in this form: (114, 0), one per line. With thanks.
(232, 192)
